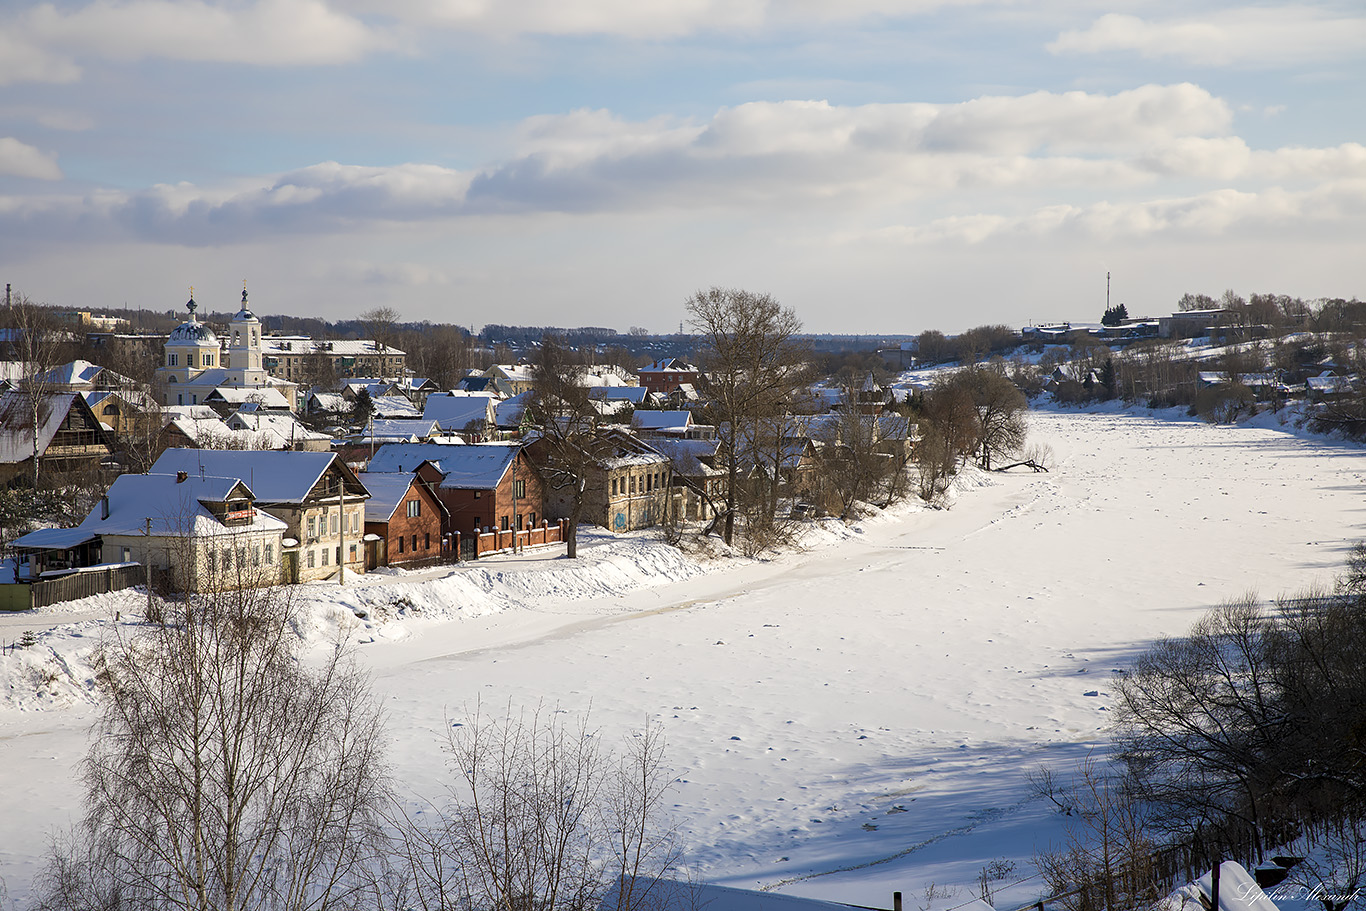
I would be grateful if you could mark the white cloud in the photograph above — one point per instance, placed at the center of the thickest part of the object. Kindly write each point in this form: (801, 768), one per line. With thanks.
(1207, 215)
(761, 157)
(1252, 36)
(22, 60)
(20, 160)
(641, 19)
(261, 32)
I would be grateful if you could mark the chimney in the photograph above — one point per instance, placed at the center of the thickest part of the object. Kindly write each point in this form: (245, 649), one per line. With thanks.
(104, 506)
(181, 477)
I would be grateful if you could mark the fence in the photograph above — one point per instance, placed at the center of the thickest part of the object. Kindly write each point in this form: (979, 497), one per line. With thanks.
(496, 540)
(94, 580)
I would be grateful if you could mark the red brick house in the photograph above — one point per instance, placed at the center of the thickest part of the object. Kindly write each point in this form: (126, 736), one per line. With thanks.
(404, 515)
(481, 485)
(665, 376)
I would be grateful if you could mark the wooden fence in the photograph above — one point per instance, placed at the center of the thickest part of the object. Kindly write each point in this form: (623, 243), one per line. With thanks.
(94, 580)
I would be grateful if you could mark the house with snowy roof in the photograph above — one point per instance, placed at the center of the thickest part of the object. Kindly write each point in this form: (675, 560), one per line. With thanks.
(471, 414)
(403, 517)
(628, 483)
(268, 429)
(197, 532)
(67, 438)
(315, 494)
(482, 485)
(666, 375)
(517, 378)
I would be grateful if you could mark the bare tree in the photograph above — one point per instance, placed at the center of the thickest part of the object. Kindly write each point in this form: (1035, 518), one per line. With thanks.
(381, 323)
(225, 773)
(754, 365)
(542, 816)
(40, 345)
(855, 467)
(1105, 860)
(567, 422)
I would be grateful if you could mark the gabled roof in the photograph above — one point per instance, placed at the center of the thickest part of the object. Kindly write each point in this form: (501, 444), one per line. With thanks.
(687, 455)
(387, 491)
(80, 374)
(240, 395)
(175, 508)
(199, 424)
(669, 365)
(471, 466)
(399, 428)
(508, 413)
(633, 394)
(273, 429)
(16, 422)
(662, 421)
(456, 412)
(333, 402)
(393, 406)
(284, 477)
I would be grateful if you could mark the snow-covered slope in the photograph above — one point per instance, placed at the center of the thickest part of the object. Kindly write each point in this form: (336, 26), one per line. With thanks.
(846, 721)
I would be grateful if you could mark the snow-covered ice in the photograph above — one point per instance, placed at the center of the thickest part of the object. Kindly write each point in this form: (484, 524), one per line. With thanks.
(845, 721)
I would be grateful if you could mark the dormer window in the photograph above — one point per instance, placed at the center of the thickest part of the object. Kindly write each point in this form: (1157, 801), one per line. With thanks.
(208, 360)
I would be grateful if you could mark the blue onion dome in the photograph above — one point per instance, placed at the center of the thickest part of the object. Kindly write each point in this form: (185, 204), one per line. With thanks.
(193, 332)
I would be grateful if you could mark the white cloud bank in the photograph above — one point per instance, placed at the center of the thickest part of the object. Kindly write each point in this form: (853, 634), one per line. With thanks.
(774, 156)
(44, 43)
(1260, 36)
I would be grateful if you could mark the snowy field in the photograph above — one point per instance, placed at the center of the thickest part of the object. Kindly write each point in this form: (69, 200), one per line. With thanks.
(846, 721)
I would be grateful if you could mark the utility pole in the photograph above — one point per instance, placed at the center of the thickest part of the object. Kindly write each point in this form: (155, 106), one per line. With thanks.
(341, 550)
(1107, 290)
(147, 568)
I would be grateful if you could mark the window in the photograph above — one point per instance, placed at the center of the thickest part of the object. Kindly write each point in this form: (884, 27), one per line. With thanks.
(649, 479)
(270, 554)
(519, 489)
(427, 541)
(478, 494)
(256, 555)
(352, 558)
(614, 487)
(334, 525)
(312, 527)
(633, 483)
(414, 508)
(227, 559)
(400, 543)
(208, 360)
(175, 360)
(127, 555)
(533, 520)
(325, 554)
(339, 560)
(414, 542)
(355, 521)
(310, 559)
(477, 525)
(503, 523)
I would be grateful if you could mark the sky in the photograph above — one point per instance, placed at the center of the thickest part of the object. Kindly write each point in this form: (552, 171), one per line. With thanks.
(878, 166)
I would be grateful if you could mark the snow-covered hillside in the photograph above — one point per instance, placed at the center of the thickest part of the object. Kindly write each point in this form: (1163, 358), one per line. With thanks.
(845, 721)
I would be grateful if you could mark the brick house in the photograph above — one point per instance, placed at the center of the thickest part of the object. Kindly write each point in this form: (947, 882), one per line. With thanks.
(482, 485)
(406, 517)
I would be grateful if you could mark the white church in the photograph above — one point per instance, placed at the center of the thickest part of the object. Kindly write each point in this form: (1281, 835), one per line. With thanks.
(198, 370)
